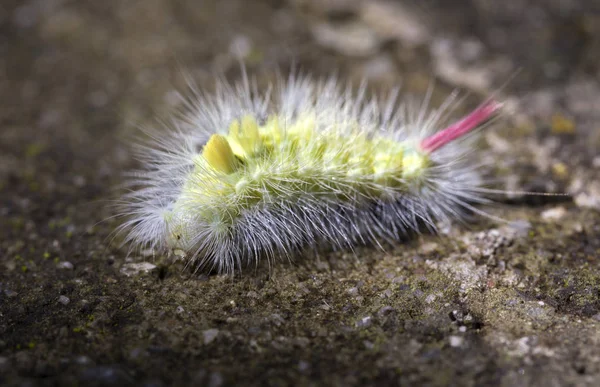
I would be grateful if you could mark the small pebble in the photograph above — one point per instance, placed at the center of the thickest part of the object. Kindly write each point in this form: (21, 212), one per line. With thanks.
(354, 40)
(392, 21)
(303, 366)
(456, 341)
(364, 322)
(83, 360)
(210, 335)
(132, 269)
(353, 291)
(64, 300)
(65, 265)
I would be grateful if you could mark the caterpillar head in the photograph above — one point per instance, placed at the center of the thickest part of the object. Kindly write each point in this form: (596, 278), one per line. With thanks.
(179, 234)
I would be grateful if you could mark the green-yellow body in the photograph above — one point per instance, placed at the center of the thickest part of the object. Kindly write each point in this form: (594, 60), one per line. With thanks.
(255, 164)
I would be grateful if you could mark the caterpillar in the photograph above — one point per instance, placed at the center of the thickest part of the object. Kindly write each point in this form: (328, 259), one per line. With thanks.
(245, 176)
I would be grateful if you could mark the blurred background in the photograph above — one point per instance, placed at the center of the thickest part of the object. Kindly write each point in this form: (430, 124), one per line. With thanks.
(78, 77)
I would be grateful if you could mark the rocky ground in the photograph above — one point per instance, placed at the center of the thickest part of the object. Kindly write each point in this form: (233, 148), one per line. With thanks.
(484, 304)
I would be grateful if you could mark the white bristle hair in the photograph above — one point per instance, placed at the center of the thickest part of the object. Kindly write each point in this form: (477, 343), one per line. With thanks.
(285, 222)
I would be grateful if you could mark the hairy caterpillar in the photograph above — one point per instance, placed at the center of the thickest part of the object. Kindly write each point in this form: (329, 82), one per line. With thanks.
(248, 176)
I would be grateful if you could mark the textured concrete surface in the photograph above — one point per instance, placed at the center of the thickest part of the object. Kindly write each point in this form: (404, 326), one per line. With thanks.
(482, 304)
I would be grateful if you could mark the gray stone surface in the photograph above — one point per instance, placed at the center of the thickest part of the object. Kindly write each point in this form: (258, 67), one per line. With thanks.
(485, 304)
